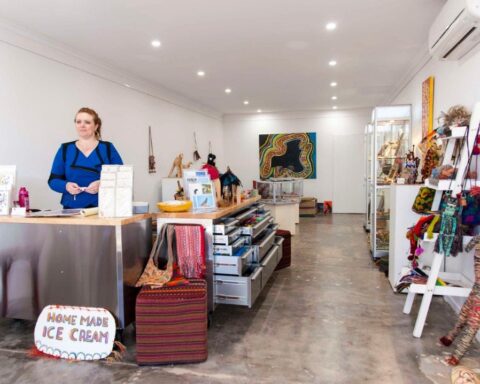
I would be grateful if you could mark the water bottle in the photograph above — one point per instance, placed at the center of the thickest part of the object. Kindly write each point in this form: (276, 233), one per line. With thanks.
(23, 198)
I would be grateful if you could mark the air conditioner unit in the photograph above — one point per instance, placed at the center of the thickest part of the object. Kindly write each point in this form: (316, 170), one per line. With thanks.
(456, 29)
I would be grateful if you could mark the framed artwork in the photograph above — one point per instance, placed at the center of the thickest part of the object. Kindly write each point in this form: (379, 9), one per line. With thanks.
(427, 106)
(288, 155)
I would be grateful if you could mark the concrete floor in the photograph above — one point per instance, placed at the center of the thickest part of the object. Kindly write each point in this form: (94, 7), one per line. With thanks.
(330, 318)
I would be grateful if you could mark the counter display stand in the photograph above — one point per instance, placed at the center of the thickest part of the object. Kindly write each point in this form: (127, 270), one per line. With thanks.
(240, 258)
(79, 261)
(389, 138)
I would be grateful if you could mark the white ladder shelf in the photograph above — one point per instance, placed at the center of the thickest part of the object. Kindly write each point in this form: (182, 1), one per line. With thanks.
(455, 186)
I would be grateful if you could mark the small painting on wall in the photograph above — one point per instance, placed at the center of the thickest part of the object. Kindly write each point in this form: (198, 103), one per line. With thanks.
(288, 155)
(427, 107)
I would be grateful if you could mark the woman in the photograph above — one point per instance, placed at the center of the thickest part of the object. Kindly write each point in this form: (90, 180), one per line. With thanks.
(77, 164)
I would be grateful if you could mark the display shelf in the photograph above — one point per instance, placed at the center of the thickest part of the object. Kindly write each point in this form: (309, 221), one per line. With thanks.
(430, 289)
(449, 184)
(457, 285)
(456, 152)
(457, 133)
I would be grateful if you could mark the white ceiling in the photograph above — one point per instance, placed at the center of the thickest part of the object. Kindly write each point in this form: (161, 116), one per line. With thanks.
(274, 53)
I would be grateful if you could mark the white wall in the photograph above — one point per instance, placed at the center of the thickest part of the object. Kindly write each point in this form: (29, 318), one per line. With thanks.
(39, 97)
(456, 82)
(241, 135)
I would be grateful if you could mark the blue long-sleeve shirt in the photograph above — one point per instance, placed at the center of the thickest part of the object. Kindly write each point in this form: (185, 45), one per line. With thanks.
(71, 165)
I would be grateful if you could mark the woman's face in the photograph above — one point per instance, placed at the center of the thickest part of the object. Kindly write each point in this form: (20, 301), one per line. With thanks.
(85, 125)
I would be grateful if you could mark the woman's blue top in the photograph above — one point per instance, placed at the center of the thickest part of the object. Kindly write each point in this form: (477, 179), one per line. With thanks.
(71, 165)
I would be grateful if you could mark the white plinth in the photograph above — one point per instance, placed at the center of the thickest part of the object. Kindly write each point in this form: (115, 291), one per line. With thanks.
(401, 218)
(285, 215)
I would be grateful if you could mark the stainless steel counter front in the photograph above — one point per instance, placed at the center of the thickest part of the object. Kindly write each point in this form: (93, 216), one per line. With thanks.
(81, 265)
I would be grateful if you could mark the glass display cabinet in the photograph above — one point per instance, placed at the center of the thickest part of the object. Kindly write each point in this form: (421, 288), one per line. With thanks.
(368, 177)
(388, 140)
(280, 190)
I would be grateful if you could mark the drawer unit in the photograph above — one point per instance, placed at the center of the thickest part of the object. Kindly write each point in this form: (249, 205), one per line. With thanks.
(233, 265)
(273, 227)
(229, 250)
(245, 214)
(225, 227)
(258, 228)
(279, 241)
(262, 245)
(269, 263)
(227, 239)
(238, 290)
(260, 208)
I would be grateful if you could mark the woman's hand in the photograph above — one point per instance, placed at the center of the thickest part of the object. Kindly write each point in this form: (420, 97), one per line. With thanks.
(73, 188)
(93, 187)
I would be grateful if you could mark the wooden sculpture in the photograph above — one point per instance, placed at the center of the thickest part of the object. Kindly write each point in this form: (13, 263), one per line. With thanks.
(178, 166)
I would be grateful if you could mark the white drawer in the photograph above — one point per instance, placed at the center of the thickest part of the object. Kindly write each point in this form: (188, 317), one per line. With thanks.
(225, 227)
(228, 250)
(233, 265)
(238, 290)
(256, 229)
(229, 238)
(269, 263)
(262, 245)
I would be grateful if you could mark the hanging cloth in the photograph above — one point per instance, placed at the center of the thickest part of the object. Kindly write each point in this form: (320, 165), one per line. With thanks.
(151, 157)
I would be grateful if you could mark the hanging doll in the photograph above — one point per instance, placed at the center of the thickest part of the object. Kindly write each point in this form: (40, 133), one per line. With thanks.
(410, 167)
(212, 170)
(469, 319)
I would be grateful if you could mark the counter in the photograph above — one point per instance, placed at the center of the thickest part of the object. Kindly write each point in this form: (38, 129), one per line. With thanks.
(80, 261)
(215, 215)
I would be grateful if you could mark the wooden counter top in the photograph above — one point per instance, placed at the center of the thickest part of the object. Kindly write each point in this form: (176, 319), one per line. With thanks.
(218, 214)
(75, 220)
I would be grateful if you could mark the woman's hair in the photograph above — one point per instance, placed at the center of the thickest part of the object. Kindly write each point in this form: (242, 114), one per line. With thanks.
(96, 120)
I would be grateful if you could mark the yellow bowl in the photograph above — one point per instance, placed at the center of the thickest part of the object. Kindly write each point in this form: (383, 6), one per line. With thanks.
(175, 205)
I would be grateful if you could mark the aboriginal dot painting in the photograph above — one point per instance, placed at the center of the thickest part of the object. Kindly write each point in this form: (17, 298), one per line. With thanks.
(288, 155)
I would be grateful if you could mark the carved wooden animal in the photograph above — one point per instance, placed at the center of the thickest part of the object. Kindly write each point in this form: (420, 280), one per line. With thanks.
(178, 166)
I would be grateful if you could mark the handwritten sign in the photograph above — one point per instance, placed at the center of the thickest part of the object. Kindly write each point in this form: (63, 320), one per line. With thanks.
(78, 333)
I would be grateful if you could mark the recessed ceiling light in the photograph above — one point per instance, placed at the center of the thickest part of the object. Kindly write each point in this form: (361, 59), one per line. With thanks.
(246, 102)
(334, 97)
(334, 107)
(156, 43)
(333, 84)
(332, 63)
(331, 26)
(228, 90)
(201, 73)
(259, 110)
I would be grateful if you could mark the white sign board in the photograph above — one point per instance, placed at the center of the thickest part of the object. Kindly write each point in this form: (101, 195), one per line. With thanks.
(78, 333)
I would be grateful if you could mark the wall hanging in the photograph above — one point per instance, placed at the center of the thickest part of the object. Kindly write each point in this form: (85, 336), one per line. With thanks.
(288, 155)
(151, 157)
